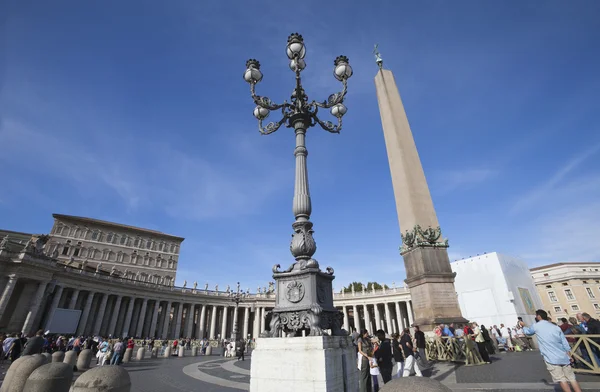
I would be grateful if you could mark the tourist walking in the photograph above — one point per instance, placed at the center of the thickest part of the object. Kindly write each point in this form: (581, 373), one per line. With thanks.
(365, 347)
(34, 344)
(480, 341)
(554, 349)
(409, 354)
(241, 348)
(383, 355)
(421, 344)
(116, 356)
(397, 353)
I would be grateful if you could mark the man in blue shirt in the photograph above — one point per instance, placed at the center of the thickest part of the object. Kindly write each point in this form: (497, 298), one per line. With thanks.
(555, 350)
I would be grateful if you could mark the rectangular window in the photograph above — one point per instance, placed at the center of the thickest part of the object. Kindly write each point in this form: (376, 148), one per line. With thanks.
(575, 308)
(565, 284)
(552, 296)
(597, 306)
(549, 286)
(590, 293)
(569, 294)
(123, 239)
(557, 309)
(76, 252)
(65, 251)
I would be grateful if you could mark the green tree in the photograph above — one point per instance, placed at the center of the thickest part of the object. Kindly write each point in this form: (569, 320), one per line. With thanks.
(358, 286)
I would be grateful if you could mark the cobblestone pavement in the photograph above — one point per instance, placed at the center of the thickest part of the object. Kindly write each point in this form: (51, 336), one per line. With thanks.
(510, 372)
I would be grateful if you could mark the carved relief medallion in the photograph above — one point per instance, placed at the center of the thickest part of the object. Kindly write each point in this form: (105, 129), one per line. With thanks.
(295, 291)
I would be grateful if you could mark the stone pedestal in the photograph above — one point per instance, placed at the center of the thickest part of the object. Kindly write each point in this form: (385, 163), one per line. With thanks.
(154, 352)
(181, 352)
(431, 282)
(194, 351)
(141, 352)
(304, 364)
(168, 352)
(127, 355)
(84, 360)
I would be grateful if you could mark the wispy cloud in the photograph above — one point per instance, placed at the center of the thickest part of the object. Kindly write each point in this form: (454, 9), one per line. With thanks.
(551, 184)
(449, 180)
(142, 173)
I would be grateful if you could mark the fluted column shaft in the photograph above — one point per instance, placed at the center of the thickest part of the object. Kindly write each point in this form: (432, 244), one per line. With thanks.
(86, 313)
(410, 313)
(202, 322)
(7, 293)
(246, 321)
(128, 315)
(73, 300)
(388, 319)
(368, 325)
(34, 307)
(346, 321)
(377, 317)
(153, 323)
(224, 323)
(189, 322)
(115, 315)
(356, 317)
(178, 321)
(213, 322)
(167, 320)
(57, 294)
(141, 319)
(234, 323)
(100, 315)
(302, 207)
(399, 317)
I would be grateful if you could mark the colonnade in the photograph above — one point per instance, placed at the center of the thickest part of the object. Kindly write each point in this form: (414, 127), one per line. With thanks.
(391, 315)
(113, 314)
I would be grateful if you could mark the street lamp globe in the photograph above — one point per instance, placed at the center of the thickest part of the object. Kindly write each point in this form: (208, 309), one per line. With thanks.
(342, 70)
(261, 113)
(252, 74)
(295, 46)
(338, 110)
(300, 63)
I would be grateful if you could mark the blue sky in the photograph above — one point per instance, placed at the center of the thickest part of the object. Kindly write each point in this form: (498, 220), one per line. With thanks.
(137, 112)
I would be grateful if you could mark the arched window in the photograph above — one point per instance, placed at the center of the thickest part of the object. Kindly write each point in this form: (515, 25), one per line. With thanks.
(95, 235)
(161, 246)
(109, 237)
(136, 243)
(149, 244)
(64, 230)
(172, 248)
(123, 239)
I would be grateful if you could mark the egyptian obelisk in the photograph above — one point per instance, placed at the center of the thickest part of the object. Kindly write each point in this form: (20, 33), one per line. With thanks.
(428, 273)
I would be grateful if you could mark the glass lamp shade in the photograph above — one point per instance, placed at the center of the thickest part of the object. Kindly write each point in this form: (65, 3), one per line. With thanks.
(296, 49)
(261, 113)
(338, 110)
(342, 71)
(253, 75)
(300, 63)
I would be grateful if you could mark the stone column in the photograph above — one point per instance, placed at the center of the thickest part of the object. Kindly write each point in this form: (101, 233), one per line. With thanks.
(246, 321)
(234, 322)
(377, 317)
(100, 315)
(178, 321)
(57, 294)
(152, 330)
(410, 313)
(128, 316)
(262, 320)
(368, 325)
(7, 293)
(256, 323)
(73, 300)
(141, 319)
(356, 317)
(213, 322)
(114, 316)
(189, 321)
(388, 318)
(399, 317)
(85, 314)
(346, 321)
(201, 330)
(34, 307)
(165, 331)
(224, 323)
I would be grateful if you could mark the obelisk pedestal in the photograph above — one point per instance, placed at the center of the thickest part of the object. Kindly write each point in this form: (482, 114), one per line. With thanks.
(428, 273)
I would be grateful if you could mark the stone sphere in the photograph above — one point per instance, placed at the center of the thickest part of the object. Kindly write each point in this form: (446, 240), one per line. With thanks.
(55, 377)
(414, 384)
(103, 378)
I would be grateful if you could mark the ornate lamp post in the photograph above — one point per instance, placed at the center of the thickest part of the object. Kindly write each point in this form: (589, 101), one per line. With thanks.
(294, 311)
(236, 298)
